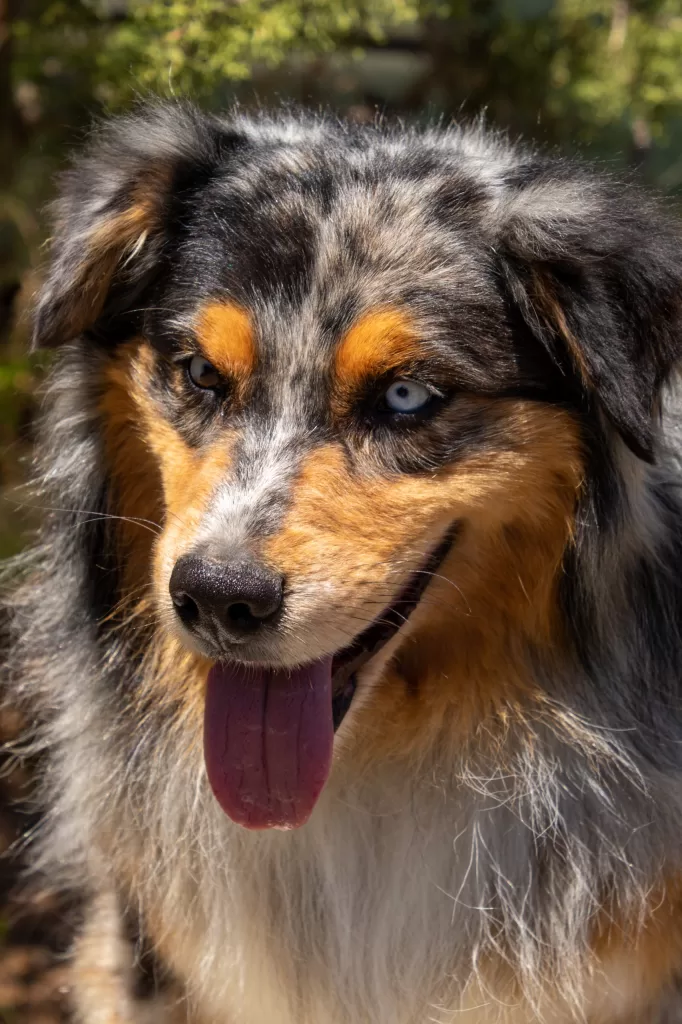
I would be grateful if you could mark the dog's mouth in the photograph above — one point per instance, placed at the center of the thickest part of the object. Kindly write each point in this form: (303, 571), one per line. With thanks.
(269, 733)
(347, 663)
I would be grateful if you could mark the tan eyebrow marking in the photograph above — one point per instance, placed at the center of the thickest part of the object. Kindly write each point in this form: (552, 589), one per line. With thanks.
(225, 332)
(379, 341)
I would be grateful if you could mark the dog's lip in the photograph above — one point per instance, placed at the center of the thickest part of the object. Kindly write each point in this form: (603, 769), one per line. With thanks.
(349, 660)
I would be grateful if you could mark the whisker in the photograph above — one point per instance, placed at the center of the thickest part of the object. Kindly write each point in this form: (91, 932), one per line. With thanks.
(139, 520)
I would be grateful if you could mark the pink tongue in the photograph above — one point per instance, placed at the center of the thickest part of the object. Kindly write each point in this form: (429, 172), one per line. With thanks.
(268, 738)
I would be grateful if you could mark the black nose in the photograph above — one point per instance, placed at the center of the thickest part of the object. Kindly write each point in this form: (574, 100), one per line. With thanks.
(231, 600)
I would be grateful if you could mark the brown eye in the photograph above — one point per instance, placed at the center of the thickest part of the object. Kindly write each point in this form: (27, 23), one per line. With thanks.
(202, 373)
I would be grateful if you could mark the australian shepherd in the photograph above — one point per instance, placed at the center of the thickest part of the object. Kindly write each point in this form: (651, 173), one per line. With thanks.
(353, 632)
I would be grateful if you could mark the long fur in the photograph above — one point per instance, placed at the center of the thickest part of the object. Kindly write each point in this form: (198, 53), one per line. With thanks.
(470, 876)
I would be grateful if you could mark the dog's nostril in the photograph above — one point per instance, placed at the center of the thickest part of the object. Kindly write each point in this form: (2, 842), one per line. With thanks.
(186, 608)
(243, 617)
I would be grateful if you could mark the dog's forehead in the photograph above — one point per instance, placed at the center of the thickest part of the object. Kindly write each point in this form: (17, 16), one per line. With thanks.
(310, 244)
(349, 226)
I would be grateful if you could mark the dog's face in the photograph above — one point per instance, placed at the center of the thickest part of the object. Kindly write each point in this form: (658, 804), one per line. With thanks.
(343, 392)
(319, 434)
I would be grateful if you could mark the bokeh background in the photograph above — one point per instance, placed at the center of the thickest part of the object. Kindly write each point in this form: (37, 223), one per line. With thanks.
(600, 77)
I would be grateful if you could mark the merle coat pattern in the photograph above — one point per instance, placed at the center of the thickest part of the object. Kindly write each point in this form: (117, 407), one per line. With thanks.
(499, 838)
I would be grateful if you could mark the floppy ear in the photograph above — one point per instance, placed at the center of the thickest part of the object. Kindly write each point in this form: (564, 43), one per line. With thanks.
(596, 271)
(114, 210)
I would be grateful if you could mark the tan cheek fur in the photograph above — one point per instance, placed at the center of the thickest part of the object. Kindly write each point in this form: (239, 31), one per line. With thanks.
(464, 655)
(634, 964)
(162, 488)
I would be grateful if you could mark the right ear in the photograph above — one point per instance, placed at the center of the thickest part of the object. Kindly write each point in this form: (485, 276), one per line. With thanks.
(113, 213)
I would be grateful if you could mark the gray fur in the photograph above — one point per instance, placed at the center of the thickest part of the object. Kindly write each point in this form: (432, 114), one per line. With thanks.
(409, 882)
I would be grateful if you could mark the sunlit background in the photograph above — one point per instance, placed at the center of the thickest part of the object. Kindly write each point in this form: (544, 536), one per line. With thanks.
(602, 77)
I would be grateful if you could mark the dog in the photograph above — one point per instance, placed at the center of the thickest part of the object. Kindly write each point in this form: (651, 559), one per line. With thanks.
(353, 631)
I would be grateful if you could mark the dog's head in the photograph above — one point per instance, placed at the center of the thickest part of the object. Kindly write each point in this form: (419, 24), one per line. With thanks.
(355, 377)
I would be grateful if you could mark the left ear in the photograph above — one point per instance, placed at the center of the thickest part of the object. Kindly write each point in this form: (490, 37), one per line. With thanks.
(118, 203)
(595, 270)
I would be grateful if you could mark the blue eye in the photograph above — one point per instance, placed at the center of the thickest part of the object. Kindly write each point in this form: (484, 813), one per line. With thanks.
(407, 396)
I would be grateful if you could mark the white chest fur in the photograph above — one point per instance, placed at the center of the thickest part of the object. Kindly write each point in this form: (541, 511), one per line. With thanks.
(393, 905)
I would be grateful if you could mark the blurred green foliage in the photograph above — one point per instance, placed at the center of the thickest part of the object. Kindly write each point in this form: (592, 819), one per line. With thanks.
(587, 64)
(615, 60)
(604, 76)
(198, 42)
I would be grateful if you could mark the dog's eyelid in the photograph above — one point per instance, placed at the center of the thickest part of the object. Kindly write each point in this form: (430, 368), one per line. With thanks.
(185, 354)
(418, 372)
(184, 357)
(435, 391)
